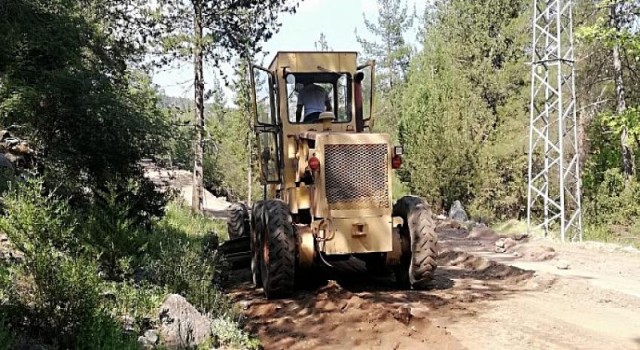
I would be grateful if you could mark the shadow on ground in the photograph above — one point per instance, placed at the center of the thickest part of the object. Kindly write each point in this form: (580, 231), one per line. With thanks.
(315, 316)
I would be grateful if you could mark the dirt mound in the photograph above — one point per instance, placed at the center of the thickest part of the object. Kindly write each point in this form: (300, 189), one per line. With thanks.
(471, 266)
(334, 317)
(535, 253)
(482, 232)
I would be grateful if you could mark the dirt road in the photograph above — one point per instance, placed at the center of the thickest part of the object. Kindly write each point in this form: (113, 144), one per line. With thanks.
(535, 294)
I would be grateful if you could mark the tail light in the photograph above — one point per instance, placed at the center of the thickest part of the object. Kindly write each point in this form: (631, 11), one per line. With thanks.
(314, 163)
(396, 162)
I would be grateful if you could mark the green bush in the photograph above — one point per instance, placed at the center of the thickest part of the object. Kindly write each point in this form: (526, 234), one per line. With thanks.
(182, 257)
(612, 201)
(85, 270)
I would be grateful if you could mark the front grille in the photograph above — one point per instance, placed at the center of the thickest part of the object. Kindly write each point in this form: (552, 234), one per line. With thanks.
(356, 176)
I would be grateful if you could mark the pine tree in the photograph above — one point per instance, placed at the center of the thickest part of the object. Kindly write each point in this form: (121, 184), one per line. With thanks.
(322, 44)
(214, 31)
(391, 51)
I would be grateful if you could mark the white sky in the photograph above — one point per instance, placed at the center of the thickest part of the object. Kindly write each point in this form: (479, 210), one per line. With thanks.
(337, 19)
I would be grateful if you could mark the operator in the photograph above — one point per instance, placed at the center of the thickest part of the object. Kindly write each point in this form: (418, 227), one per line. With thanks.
(314, 99)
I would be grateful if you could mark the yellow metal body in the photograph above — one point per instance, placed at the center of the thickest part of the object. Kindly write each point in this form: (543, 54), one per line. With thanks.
(343, 221)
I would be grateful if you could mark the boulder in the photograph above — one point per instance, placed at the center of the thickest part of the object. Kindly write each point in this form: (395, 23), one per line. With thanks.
(182, 326)
(456, 212)
(5, 162)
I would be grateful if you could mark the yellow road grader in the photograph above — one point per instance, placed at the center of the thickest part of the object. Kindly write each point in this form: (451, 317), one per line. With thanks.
(327, 179)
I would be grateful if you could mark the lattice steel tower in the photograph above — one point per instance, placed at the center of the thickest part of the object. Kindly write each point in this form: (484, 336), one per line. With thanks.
(554, 169)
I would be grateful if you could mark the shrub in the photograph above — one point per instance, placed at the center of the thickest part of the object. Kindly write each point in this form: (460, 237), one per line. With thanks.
(612, 208)
(84, 270)
(182, 257)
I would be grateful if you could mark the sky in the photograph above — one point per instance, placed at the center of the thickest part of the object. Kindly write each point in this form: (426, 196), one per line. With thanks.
(337, 19)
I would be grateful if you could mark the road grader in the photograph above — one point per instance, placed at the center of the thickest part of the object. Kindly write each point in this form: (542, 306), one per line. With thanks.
(327, 180)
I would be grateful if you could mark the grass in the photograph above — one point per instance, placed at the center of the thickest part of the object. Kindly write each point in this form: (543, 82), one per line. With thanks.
(180, 216)
(618, 234)
(86, 271)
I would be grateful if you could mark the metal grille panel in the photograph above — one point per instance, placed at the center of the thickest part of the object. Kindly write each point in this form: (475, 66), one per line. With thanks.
(356, 176)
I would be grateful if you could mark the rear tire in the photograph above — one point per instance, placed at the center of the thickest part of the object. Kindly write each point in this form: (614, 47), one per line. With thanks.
(238, 223)
(278, 260)
(418, 264)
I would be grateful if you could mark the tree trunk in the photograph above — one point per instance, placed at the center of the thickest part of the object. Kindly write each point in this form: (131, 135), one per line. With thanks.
(628, 165)
(198, 179)
(249, 170)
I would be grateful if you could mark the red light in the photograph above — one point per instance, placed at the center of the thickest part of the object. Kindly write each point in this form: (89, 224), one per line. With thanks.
(396, 162)
(314, 163)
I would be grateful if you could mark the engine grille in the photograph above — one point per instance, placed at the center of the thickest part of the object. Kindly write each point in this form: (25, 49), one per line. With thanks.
(356, 176)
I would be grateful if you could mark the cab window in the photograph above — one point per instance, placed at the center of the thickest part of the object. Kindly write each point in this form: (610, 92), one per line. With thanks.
(310, 94)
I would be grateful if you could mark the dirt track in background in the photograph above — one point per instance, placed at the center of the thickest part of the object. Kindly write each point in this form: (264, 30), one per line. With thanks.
(537, 294)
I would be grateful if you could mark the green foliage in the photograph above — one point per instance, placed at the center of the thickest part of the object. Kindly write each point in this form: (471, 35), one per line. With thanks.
(393, 55)
(231, 27)
(229, 332)
(392, 52)
(437, 129)
(613, 201)
(66, 82)
(464, 108)
(229, 161)
(36, 223)
(85, 270)
(600, 29)
(187, 264)
(6, 338)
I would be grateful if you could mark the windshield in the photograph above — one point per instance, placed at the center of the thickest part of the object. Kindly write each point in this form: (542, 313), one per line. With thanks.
(308, 95)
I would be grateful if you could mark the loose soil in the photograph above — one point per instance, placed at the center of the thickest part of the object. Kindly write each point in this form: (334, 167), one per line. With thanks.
(489, 292)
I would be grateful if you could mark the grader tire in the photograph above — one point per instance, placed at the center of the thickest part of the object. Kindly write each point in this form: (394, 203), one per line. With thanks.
(257, 229)
(278, 259)
(418, 265)
(238, 223)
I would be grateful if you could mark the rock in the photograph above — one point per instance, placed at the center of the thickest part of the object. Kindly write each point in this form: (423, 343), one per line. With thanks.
(11, 141)
(22, 148)
(5, 162)
(128, 323)
(152, 336)
(509, 243)
(500, 243)
(403, 314)
(562, 265)
(457, 212)
(441, 217)
(14, 159)
(182, 326)
(245, 304)
(419, 312)
(4, 134)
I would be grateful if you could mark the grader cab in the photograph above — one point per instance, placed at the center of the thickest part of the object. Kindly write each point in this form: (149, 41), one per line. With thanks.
(327, 179)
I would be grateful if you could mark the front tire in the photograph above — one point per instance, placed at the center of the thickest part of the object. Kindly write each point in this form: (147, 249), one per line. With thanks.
(277, 261)
(418, 264)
